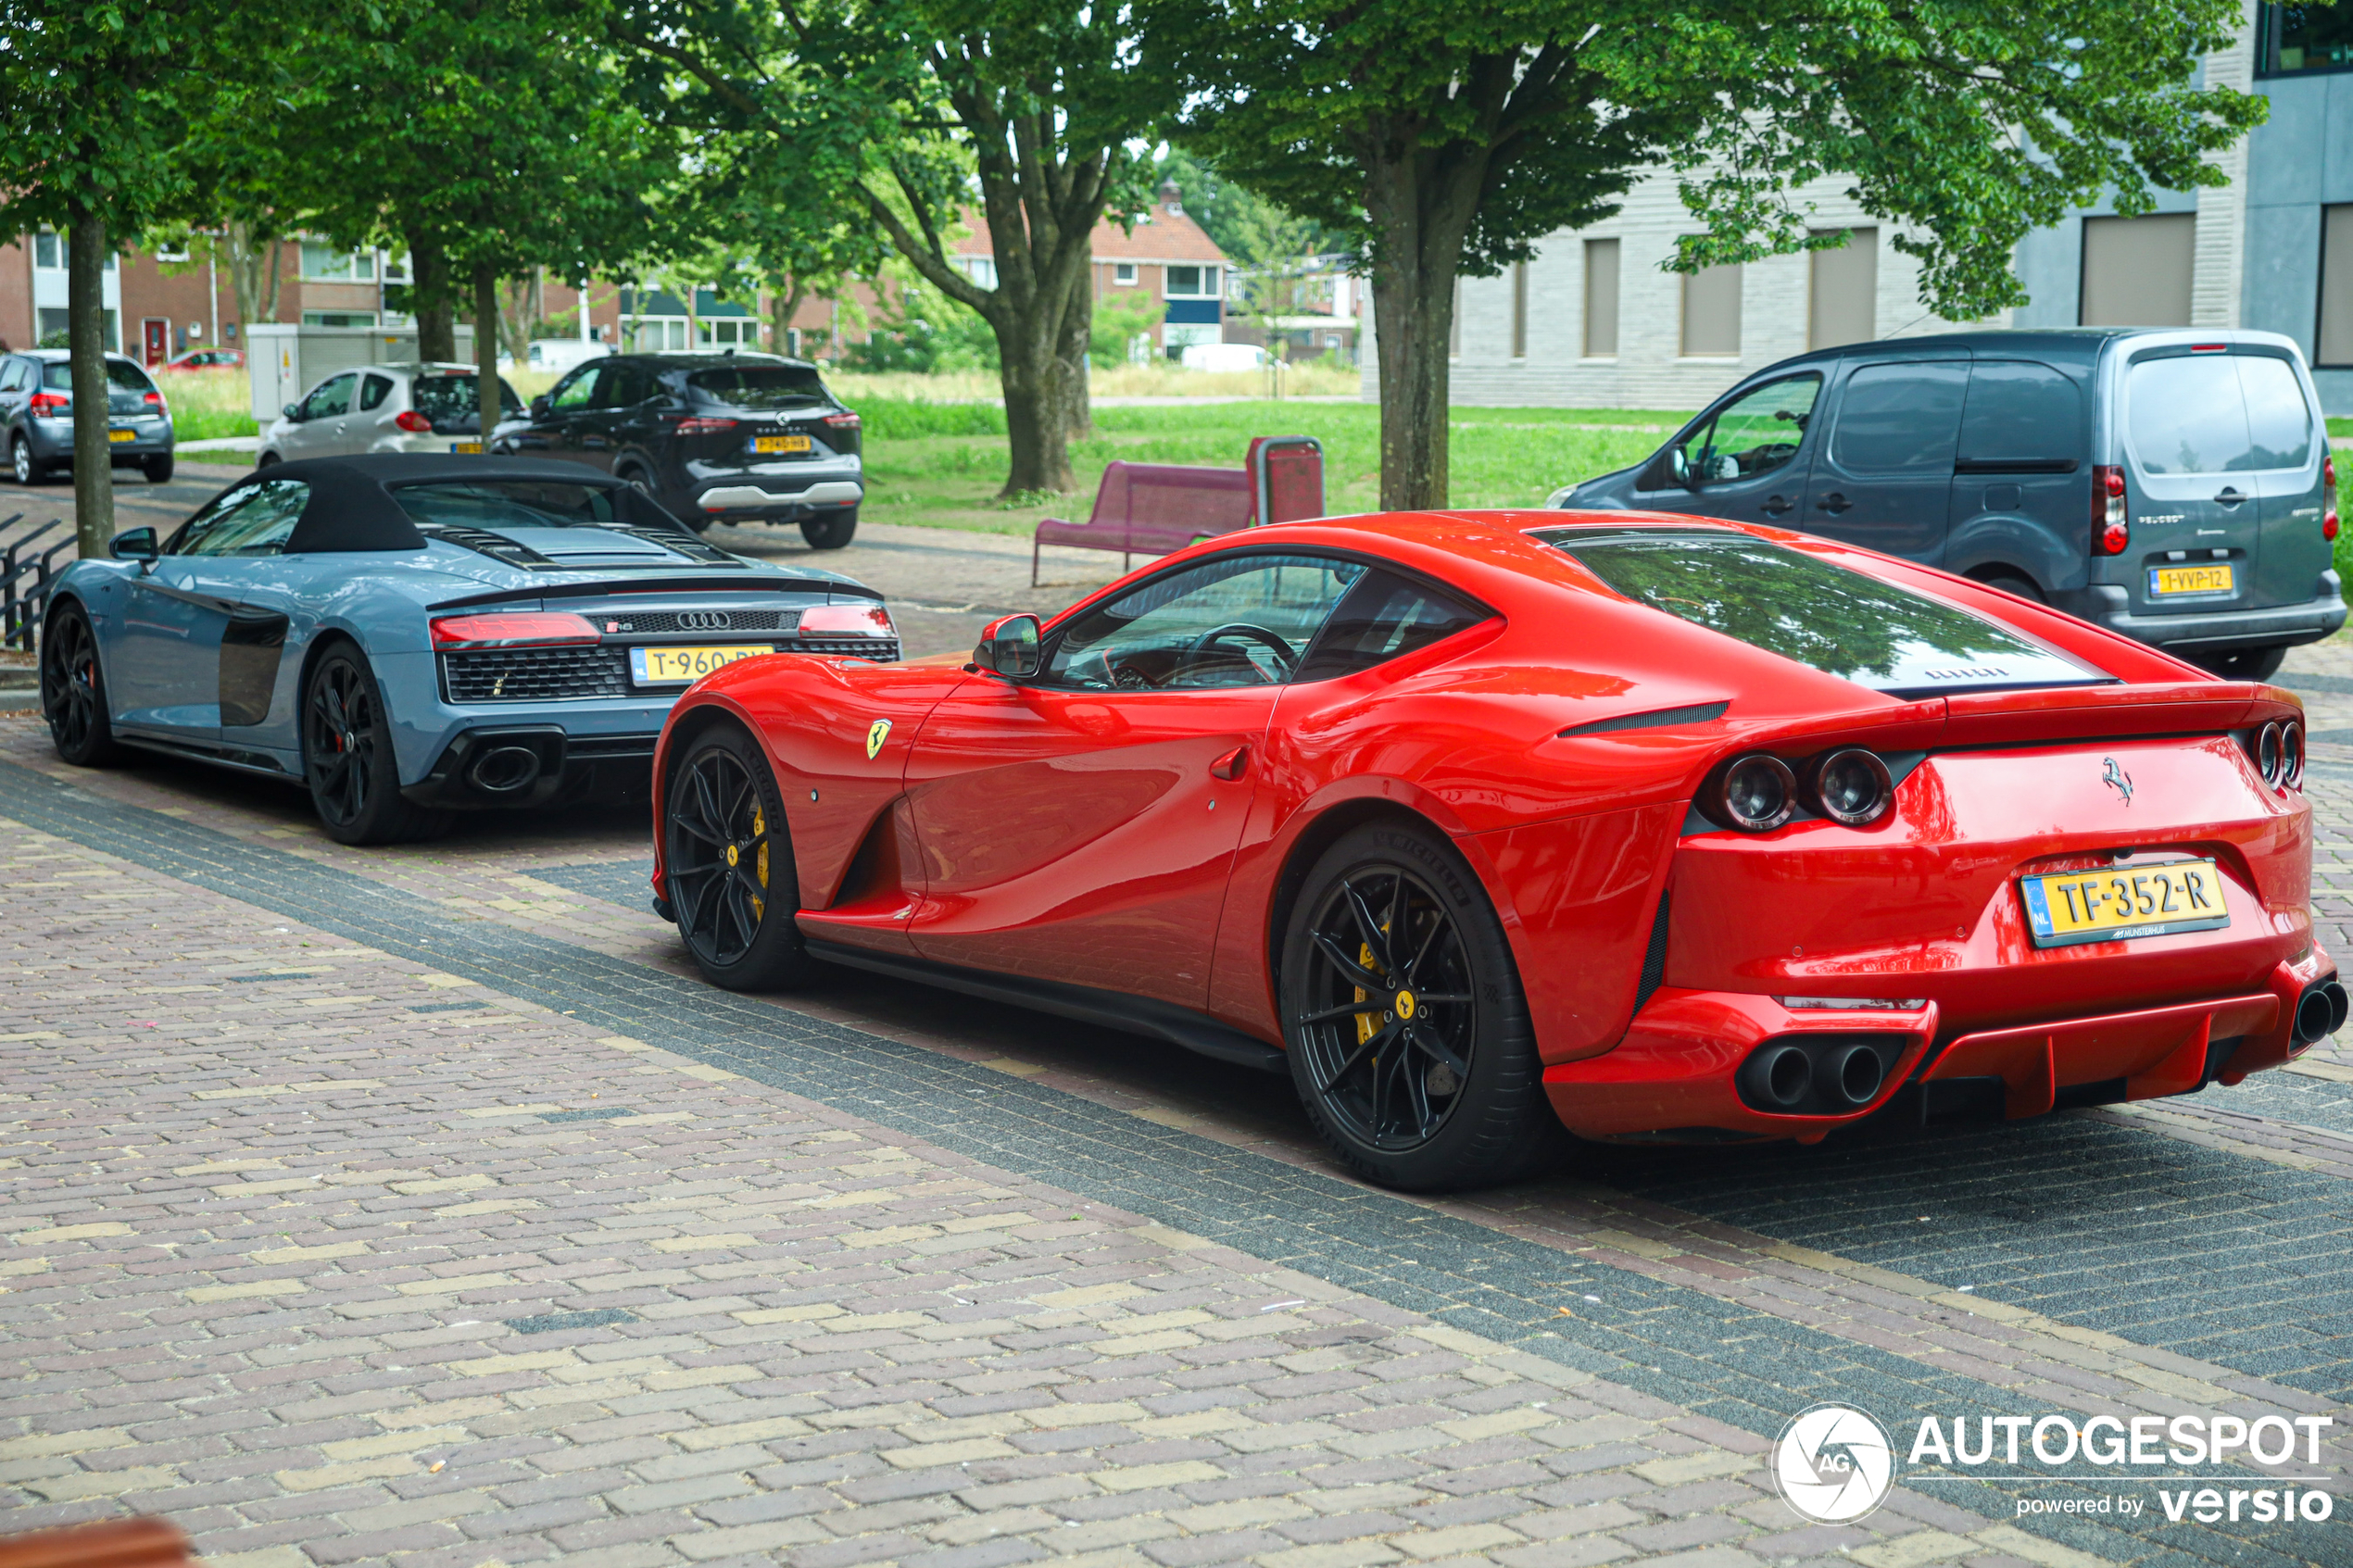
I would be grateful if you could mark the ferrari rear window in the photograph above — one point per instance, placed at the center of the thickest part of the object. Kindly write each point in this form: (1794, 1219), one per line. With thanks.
(1822, 615)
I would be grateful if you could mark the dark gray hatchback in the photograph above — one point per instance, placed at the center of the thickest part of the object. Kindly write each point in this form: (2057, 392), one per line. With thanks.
(2170, 485)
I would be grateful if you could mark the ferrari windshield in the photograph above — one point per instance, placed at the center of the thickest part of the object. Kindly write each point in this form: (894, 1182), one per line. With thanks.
(509, 503)
(1820, 614)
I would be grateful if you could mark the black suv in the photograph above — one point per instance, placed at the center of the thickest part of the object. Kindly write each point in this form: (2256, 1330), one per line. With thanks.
(714, 437)
(36, 416)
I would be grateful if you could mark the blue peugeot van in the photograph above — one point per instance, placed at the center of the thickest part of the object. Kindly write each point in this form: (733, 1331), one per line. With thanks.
(2172, 484)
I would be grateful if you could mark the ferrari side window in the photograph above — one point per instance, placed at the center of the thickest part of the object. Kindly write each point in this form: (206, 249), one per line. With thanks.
(1382, 616)
(255, 521)
(1237, 621)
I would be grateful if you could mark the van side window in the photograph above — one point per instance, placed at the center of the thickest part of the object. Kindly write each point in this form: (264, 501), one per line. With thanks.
(1900, 419)
(1756, 432)
(2022, 417)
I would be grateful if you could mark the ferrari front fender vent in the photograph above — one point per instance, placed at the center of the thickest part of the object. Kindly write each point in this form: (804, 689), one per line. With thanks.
(1655, 959)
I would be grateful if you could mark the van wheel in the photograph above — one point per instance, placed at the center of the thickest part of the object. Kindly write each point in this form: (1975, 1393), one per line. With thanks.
(2011, 583)
(2242, 664)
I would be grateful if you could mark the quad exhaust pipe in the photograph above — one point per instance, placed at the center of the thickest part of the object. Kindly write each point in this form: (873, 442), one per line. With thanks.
(2320, 1012)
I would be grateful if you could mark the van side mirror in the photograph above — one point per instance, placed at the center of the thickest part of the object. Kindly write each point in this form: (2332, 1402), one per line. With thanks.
(1009, 646)
(1679, 467)
(135, 543)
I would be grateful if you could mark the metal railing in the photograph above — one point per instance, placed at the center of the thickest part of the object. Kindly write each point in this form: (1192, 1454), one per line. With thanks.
(26, 578)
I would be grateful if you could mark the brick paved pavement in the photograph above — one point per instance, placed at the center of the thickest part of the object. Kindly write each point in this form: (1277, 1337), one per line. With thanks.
(1335, 1401)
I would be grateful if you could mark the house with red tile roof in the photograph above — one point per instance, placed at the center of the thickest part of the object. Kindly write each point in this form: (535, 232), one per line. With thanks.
(1165, 257)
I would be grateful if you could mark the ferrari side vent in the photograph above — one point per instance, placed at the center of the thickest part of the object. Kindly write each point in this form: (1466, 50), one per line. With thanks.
(1655, 959)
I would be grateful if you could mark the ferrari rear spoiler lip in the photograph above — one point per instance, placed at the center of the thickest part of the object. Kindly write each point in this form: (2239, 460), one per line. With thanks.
(2034, 716)
(610, 587)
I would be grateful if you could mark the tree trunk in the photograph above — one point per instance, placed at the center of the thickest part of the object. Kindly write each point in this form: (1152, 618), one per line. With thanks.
(1074, 406)
(429, 297)
(782, 308)
(86, 329)
(486, 349)
(1422, 209)
(253, 274)
(1035, 426)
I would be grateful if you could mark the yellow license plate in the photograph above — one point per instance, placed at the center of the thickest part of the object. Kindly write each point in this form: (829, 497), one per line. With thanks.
(465, 447)
(122, 436)
(655, 667)
(787, 443)
(2123, 902)
(2215, 579)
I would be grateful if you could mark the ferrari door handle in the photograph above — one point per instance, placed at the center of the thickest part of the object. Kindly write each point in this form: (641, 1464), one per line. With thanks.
(1835, 503)
(1233, 765)
(1776, 505)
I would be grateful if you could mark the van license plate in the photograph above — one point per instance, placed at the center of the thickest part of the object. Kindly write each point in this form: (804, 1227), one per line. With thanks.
(2168, 581)
(2114, 905)
(667, 666)
(784, 444)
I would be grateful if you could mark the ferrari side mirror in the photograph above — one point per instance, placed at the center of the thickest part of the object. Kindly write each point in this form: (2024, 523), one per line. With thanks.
(135, 543)
(1009, 646)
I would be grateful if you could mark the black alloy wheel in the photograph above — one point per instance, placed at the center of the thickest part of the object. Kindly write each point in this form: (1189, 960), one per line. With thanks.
(1409, 1036)
(348, 760)
(832, 530)
(73, 691)
(727, 866)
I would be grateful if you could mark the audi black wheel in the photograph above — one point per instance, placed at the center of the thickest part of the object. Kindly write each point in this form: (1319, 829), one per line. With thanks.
(1410, 1040)
(347, 757)
(727, 866)
(73, 691)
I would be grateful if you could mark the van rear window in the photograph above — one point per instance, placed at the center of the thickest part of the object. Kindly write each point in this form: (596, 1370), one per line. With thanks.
(2218, 413)
(1820, 614)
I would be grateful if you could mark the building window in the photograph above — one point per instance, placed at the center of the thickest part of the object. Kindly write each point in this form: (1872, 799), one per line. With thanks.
(338, 318)
(2336, 337)
(1192, 283)
(1842, 291)
(727, 331)
(656, 335)
(1601, 299)
(2136, 270)
(1123, 274)
(1519, 310)
(327, 265)
(1712, 314)
(981, 269)
(2293, 39)
(47, 251)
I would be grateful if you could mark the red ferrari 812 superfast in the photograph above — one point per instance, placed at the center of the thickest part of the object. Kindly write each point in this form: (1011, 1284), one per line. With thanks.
(1486, 825)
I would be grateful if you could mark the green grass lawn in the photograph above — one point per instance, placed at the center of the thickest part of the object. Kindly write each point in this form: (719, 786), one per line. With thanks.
(940, 465)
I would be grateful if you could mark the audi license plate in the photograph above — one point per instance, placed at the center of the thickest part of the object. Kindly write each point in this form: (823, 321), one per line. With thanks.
(2168, 581)
(677, 666)
(465, 447)
(2068, 908)
(784, 444)
(122, 436)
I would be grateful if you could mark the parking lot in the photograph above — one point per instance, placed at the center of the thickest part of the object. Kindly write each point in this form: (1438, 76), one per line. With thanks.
(416, 1205)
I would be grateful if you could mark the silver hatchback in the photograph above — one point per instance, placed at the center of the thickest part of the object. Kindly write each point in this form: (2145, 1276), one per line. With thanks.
(416, 407)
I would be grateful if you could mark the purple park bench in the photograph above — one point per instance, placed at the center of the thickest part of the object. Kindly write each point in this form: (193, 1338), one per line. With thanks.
(1154, 508)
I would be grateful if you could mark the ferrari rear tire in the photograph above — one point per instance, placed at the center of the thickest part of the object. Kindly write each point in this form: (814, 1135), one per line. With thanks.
(727, 866)
(347, 757)
(830, 532)
(73, 691)
(1409, 1035)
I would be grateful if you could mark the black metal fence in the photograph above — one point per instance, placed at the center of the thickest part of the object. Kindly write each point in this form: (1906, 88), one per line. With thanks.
(26, 576)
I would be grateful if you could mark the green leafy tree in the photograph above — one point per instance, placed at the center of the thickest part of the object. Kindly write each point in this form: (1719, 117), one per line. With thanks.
(1446, 139)
(913, 113)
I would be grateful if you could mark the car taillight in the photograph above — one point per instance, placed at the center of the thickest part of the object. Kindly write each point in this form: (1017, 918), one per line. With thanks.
(847, 620)
(702, 424)
(2328, 497)
(155, 400)
(48, 405)
(2111, 530)
(844, 421)
(413, 422)
(514, 629)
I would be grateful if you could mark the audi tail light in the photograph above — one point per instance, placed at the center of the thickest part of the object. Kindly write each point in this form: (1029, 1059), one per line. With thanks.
(2328, 497)
(413, 422)
(519, 629)
(703, 425)
(847, 620)
(2111, 529)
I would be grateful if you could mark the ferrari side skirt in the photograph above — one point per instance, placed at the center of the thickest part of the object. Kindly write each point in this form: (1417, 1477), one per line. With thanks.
(1138, 1015)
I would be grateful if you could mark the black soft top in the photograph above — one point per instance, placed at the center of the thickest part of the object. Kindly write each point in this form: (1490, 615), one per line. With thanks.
(351, 506)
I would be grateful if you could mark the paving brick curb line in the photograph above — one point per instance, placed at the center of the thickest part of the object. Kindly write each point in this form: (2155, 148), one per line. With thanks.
(1743, 1368)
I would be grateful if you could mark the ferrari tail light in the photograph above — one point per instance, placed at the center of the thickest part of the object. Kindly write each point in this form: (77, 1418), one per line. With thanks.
(703, 425)
(49, 405)
(847, 620)
(1756, 794)
(2328, 497)
(413, 422)
(1851, 786)
(2111, 530)
(512, 629)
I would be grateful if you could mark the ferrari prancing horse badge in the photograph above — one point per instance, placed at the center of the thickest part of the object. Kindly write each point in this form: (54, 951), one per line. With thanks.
(877, 733)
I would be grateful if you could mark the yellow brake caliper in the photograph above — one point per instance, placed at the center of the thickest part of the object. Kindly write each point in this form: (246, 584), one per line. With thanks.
(760, 870)
(1368, 1025)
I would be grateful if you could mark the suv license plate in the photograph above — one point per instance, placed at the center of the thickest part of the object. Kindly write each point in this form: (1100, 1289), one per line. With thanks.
(2068, 908)
(785, 443)
(2167, 581)
(679, 666)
